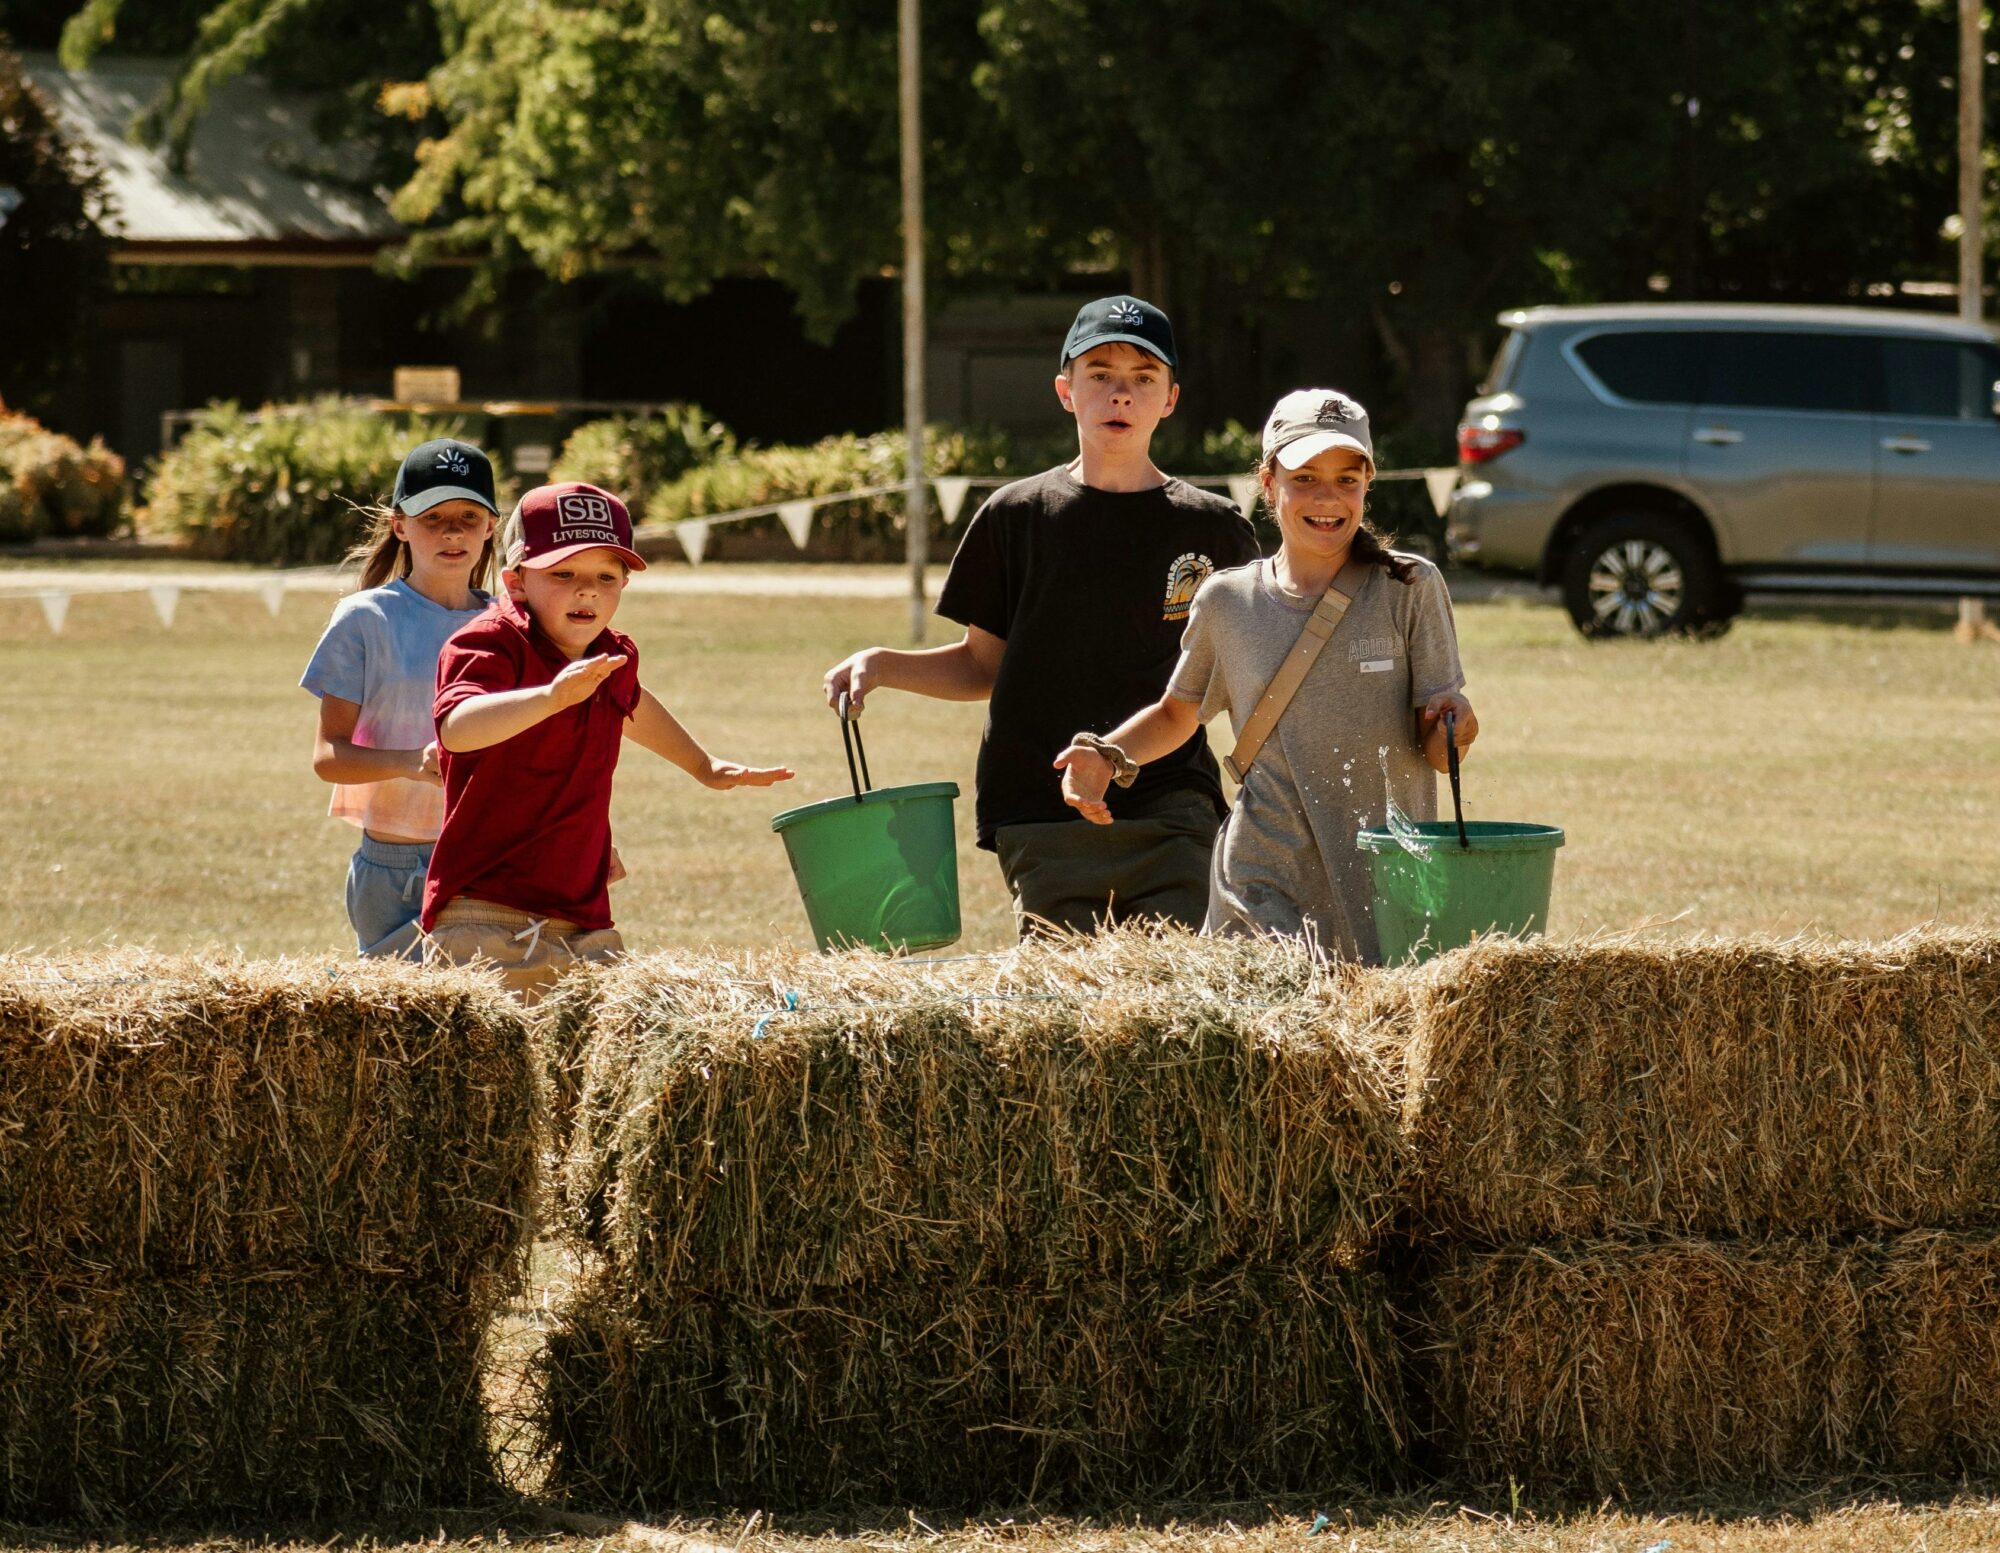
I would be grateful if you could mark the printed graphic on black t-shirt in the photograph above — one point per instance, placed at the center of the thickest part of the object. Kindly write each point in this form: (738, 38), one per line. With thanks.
(1091, 591)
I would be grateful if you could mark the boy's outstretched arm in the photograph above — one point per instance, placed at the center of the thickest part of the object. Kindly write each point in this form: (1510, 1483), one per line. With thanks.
(1157, 730)
(964, 671)
(653, 727)
(479, 722)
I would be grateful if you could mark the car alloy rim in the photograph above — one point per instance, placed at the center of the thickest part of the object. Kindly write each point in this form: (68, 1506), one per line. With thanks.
(1636, 587)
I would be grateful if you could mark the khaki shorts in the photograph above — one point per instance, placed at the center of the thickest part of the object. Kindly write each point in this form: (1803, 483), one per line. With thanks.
(529, 952)
(1072, 876)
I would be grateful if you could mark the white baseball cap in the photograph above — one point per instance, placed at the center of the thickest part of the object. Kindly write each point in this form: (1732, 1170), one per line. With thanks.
(1305, 423)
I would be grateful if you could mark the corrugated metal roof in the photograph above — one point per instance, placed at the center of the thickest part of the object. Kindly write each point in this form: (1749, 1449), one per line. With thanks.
(236, 187)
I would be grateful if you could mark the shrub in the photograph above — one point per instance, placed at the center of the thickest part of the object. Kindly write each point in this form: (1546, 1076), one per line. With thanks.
(634, 455)
(52, 486)
(285, 485)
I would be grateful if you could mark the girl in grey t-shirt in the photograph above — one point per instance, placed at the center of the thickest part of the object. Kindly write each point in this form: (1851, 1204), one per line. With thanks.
(1365, 728)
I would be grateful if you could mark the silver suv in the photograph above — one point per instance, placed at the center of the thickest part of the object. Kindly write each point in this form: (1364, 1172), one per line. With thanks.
(1657, 462)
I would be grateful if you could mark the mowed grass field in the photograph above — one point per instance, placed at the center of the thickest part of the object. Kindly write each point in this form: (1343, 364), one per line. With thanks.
(1832, 773)
(1837, 773)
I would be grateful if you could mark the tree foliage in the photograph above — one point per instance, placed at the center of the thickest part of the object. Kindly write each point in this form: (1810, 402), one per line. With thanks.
(53, 255)
(1419, 171)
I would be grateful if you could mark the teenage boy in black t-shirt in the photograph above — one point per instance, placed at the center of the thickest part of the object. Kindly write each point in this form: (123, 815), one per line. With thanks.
(1073, 587)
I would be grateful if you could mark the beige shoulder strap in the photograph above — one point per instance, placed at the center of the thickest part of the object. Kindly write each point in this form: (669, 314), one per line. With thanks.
(1319, 627)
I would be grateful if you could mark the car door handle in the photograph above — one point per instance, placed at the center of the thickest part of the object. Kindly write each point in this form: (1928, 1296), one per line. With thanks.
(1906, 444)
(1721, 436)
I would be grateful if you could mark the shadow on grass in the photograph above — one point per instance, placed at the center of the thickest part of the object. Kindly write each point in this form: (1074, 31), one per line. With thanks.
(520, 1521)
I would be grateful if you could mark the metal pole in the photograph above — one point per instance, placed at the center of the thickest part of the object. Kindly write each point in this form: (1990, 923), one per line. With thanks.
(1972, 622)
(916, 503)
(1971, 201)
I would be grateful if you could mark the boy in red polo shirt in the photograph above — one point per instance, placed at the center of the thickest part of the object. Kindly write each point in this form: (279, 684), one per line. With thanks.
(534, 699)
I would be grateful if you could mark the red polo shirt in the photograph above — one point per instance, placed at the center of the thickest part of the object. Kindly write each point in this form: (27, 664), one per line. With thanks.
(527, 821)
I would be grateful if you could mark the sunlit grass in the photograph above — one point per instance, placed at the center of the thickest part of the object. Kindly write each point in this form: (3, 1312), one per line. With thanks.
(1835, 774)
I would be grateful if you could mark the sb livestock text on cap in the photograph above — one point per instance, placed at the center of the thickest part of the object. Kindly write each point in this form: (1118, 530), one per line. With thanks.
(1121, 319)
(554, 522)
(441, 471)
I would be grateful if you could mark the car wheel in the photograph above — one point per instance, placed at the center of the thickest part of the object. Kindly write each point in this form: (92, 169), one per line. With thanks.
(1643, 574)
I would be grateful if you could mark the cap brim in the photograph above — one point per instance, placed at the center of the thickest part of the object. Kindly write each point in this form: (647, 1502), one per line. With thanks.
(423, 501)
(1305, 449)
(1138, 340)
(632, 558)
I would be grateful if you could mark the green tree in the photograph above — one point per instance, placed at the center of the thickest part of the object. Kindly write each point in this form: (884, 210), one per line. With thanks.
(51, 247)
(1414, 172)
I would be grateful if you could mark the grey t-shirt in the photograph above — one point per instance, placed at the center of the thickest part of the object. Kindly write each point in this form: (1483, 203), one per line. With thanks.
(1286, 859)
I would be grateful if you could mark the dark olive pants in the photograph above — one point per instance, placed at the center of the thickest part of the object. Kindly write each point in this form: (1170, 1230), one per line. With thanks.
(1071, 875)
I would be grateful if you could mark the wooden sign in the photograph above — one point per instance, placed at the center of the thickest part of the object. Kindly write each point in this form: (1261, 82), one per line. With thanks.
(426, 385)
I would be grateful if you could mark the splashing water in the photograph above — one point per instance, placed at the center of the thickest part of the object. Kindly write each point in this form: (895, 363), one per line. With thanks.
(1406, 831)
(1426, 878)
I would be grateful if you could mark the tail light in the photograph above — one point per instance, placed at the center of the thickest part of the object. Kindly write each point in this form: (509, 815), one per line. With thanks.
(1480, 442)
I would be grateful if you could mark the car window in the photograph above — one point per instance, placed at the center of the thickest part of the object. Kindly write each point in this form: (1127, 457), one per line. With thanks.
(1650, 367)
(1939, 379)
(1778, 370)
(1501, 372)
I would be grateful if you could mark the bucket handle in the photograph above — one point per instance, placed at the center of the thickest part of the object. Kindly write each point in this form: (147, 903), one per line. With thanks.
(1451, 759)
(850, 737)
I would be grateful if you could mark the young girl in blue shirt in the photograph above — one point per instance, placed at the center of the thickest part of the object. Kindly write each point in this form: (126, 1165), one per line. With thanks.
(425, 569)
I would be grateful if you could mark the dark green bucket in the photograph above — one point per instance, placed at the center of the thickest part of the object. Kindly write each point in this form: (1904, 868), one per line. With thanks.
(1436, 894)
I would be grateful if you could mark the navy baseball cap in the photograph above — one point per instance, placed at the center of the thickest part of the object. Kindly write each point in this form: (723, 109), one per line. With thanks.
(1125, 319)
(440, 471)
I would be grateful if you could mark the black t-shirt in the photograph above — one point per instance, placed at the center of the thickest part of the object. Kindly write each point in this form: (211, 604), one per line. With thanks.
(1091, 590)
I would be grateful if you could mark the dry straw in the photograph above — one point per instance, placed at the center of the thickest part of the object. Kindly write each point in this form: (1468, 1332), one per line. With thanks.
(1937, 1335)
(1140, 1104)
(255, 1220)
(167, 1115)
(1229, 1385)
(194, 1396)
(1701, 1364)
(1724, 1088)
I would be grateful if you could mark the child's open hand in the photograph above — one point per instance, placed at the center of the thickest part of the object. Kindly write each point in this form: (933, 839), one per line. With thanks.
(723, 774)
(577, 680)
(1086, 774)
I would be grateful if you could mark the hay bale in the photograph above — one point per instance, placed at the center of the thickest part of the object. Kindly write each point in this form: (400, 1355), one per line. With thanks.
(1725, 1088)
(167, 1116)
(1137, 1104)
(560, 1027)
(1628, 1368)
(194, 1396)
(1244, 1383)
(1936, 1318)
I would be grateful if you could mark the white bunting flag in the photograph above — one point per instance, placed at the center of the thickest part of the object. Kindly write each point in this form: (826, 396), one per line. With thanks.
(1244, 491)
(694, 539)
(273, 589)
(166, 600)
(1441, 483)
(55, 608)
(797, 516)
(951, 491)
